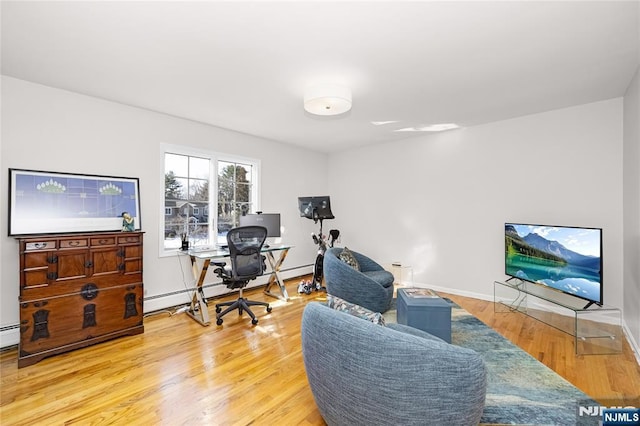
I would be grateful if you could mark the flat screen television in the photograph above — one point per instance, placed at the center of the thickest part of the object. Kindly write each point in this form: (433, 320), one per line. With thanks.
(271, 221)
(567, 259)
(315, 208)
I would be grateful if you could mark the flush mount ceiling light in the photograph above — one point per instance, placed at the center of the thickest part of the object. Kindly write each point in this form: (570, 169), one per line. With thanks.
(327, 100)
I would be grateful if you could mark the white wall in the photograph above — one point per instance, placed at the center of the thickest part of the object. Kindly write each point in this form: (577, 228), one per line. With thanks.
(439, 202)
(632, 207)
(55, 130)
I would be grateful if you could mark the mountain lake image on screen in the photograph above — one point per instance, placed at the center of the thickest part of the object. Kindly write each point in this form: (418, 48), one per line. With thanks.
(568, 259)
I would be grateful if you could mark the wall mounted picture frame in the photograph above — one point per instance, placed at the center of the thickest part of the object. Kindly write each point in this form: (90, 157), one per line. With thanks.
(43, 202)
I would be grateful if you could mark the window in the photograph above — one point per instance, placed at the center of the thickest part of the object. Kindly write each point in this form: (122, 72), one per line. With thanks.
(198, 182)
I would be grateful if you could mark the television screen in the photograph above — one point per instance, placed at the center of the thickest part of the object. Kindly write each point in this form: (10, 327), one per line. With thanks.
(271, 221)
(315, 208)
(568, 259)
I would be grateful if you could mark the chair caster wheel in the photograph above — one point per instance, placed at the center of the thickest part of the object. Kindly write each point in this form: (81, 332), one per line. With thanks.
(218, 310)
(219, 321)
(254, 321)
(269, 309)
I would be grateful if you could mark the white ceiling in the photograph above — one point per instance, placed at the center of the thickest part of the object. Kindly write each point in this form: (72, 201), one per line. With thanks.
(245, 65)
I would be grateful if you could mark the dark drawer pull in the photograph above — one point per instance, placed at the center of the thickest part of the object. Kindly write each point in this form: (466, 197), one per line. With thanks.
(74, 243)
(52, 276)
(89, 291)
(52, 259)
(39, 245)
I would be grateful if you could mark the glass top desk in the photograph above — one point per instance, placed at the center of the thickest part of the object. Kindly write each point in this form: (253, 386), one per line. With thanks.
(198, 308)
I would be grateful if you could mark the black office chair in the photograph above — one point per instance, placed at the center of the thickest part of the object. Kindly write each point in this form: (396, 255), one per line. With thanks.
(247, 263)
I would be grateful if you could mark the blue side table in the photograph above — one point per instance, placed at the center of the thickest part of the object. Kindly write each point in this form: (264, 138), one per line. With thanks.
(430, 314)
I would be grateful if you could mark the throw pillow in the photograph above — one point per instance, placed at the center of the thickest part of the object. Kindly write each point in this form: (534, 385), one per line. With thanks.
(347, 257)
(339, 304)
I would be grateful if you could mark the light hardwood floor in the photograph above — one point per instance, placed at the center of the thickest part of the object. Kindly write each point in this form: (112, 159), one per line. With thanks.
(179, 372)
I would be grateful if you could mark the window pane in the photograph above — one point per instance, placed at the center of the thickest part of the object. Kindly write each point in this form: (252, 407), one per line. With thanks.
(198, 190)
(223, 165)
(243, 193)
(174, 188)
(178, 164)
(198, 168)
(245, 173)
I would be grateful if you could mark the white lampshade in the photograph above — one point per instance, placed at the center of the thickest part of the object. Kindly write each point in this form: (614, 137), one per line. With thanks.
(327, 100)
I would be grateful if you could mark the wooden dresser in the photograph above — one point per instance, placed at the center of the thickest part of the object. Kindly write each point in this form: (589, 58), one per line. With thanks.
(77, 290)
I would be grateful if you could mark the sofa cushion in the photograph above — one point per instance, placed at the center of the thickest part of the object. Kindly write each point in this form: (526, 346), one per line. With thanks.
(339, 304)
(384, 278)
(347, 257)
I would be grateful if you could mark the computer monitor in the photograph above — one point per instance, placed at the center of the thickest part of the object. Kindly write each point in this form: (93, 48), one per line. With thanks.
(271, 221)
(315, 207)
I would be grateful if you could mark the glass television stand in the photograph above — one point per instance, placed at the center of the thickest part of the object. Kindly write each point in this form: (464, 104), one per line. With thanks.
(596, 329)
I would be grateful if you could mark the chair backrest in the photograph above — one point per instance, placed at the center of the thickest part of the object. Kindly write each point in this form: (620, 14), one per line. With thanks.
(245, 244)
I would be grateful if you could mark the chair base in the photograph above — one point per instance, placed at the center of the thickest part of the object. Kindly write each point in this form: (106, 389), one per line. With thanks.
(242, 305)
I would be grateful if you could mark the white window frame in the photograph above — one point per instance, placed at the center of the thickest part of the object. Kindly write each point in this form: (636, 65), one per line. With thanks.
(213, 157)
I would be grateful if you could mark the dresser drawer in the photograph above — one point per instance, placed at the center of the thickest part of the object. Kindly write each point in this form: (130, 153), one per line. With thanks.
(41, 245)
(51, 323)
(130, 239)
(103, 241)
(74, 243)
(50, 289)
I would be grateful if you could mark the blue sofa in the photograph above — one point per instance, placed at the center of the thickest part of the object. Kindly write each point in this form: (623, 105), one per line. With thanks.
(362, 373)
(371, 287)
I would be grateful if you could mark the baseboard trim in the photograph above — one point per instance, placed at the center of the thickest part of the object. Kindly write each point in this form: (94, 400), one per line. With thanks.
(9, 336)
(632, 342)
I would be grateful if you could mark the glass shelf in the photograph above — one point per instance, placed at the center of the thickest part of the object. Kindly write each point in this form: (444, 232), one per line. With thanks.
(596, 329)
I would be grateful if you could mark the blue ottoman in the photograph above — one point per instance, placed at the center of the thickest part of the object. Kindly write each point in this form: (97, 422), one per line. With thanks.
(428, 313)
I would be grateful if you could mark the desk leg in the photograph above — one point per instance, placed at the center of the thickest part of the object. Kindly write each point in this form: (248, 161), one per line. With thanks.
(275, 278)
(198, 309)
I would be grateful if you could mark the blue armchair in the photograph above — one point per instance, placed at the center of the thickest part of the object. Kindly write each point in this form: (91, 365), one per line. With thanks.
(371, 287)
(362, 373)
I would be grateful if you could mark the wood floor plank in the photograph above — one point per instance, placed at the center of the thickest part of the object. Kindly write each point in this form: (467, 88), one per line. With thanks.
(179, 372)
